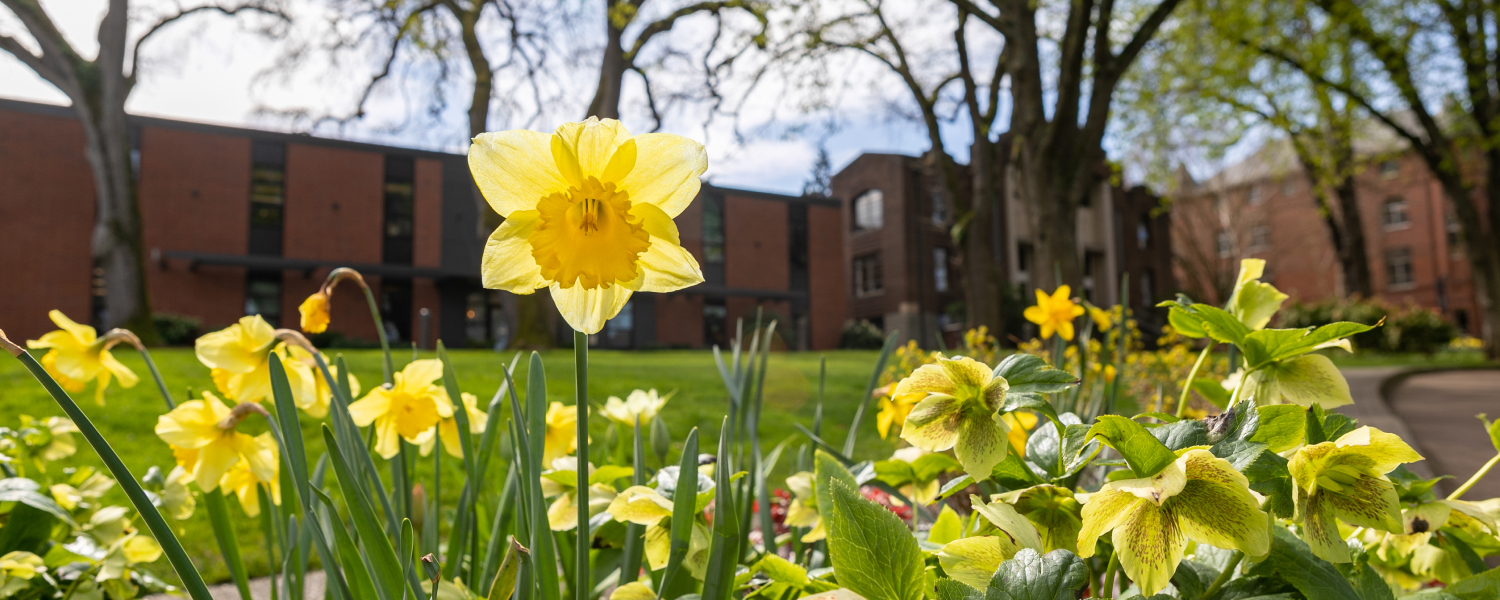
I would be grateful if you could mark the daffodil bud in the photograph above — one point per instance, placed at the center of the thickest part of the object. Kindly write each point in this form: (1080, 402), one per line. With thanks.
(431, 568)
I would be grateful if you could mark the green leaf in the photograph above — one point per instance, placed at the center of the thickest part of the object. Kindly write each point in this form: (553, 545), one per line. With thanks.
(1182, 434)
(783, 571)
(1184, 322)
(676, 581)
(388, 574)
(929, 466)
(1305, 381)
(1058, 575)
(874, 554)
(1367, 583)
(28, 529)
(25, 491)
(1493, 429)
(1145, 454)
(505, 581)
(1281, 427)
(351, 562)
(1255, 302)
(724, 547)
(224, 535)
(1029, 377)
(1292, 560)
(946, 528)
(953, 589)
(1483, 586)
(1213, 321)
(1212, 391)
(1012, 472)
(825, 469)
(1323, 426)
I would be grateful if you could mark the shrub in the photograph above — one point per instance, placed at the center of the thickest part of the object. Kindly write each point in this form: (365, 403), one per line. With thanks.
(177, 330)
(861, 335)
(1409, 328)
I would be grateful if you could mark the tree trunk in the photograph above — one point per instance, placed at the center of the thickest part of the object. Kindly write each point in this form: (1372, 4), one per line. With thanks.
(1349, 241)
(606, 104)
(1052, 191)
(983, 293)
(1483, 253)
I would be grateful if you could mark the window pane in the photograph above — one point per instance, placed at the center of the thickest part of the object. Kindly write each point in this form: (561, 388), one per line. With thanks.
(940, 269)
(869, 210)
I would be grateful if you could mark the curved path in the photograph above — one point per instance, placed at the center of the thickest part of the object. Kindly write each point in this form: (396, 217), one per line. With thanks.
(1439, 409)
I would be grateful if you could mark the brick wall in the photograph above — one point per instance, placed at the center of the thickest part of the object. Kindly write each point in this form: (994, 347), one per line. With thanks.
(756, 245)
(827, 286)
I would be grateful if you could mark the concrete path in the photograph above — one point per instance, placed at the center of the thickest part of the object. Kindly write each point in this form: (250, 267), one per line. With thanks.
(1439, 408)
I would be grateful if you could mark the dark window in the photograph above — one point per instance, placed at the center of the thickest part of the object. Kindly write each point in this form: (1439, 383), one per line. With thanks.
(869, 210)
(484, 320)
(263, 295)
(1395, 213)
(1255, 195)
(1461, 319)
(867, 276)
(797, 234)
(1025, 255)
(1093, 271)
(1389, 169)
(267, 197)
(940, 269)
(1143, 232)
(98, 308)
(713, 229)
(939, 208)
(715, 322)
(400, 210)
(617, 331)
(1260, 237)
(1148, 291)
(1398, 268)
(395, 309)
(1455, 235)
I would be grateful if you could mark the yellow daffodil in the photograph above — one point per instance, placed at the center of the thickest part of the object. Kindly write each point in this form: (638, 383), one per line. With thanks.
(1054, 313)
(894, 410)
(76, 355)
(1198, 497)
(316, 406)
(314, 312)
(448, 428)
(973, 560)
(588, 213)
(240, 359)
(646, 506)
(640, 403)
(406, 410)
(562, 432)
(803, 511)
(961, 397)
(17, 568)
(244, 483)
(202, 435)
(1020, 425)
(1346, 479)
(1103, 319)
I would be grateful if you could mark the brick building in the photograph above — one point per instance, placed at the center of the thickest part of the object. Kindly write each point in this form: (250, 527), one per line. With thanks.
(903, 268)
(1263, 207)
(240, 221)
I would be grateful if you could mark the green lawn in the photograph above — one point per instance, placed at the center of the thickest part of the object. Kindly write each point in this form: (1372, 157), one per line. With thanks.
(1445, 359)
(790, 395)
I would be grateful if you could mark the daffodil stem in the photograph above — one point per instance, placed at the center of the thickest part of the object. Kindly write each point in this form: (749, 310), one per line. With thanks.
(160, 384)
(1484, 470)
(1223, 578)
(1187, 386)
(581, 379)
(385, 345)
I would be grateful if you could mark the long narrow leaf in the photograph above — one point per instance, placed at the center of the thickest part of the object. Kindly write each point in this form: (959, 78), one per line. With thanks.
(385, 567)
(541, 533)
(676, 582)
(229, 544)
(718, 584)
(635, 535)
(864, 401)
(347, 436)
(351, 562)
(192, 581)
(457, 536)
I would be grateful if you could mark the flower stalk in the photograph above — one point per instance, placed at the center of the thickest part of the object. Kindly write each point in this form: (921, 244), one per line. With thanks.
(1474, 479)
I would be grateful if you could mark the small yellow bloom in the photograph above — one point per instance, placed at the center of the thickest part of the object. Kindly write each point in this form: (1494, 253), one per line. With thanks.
(407, 409)
(640, 403)
(1054, 313)
(894, 410)
(803, 511)
(448, 429)
(588, 213)
(240, 359)
(76, 355)
(243, 482)
(202, 435)
(1103, 319)
(562, 432)
(1020, 424)
(315, 313)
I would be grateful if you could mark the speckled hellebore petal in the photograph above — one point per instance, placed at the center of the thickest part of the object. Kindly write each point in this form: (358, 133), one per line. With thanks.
(982, 442)
(1157, 488)
(1320, 529)
(1150, 545)
(973, 560)
(967, 374)
(934, 423)
(1216, 508)
(508, 262)
(1371, 502)
(1385, 450)
(1104, 511)
(515, 169)
(927, 379)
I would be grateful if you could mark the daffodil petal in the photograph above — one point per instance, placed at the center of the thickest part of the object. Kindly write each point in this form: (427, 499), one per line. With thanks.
(514, 169)
(423, 371)
(213, 461)
(666, 171)
(83, 333)
(586, 310)
(508, 262)
(1150, 546)
(584, 149)
(373, 405)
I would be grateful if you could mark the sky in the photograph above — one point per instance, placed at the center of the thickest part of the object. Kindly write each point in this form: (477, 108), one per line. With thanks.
(206, 69)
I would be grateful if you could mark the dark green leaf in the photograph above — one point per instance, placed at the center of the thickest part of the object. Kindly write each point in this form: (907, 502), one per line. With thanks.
(1192, 578)
(874, 554)
(1030, 376)
(953, 589)
(1281, 426)
(1292, 560)
(1483, 586)
(28, 528)
(1031, 576)
(1182, 434)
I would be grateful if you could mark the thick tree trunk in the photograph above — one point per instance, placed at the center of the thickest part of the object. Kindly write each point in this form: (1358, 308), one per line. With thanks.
(1052, 191)
(1349, 241)
(1482, 251)
(606, 104)
(983, 292)
(117, 245)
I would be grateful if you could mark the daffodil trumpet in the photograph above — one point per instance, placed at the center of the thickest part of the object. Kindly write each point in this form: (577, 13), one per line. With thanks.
(315, 311)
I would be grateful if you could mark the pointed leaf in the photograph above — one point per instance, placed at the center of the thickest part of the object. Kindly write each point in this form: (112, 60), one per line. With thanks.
(1057, 575)
(874, 554)
(1145, 454)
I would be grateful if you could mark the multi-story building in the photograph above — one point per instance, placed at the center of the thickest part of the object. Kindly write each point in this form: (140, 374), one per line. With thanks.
(1264, 207)
(240, 221)
(903, 267)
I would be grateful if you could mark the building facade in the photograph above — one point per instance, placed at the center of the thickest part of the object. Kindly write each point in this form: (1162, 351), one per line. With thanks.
(903, 268)
(240, 221)
(1264, 207)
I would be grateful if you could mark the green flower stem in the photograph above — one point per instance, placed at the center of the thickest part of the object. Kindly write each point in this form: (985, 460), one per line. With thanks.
(155, 374)
(1484, 470)
(1187, 386)
(385, 345)
(581, 380)
(1234, 398)
(1109, 576)
(192, 581)
(1234, 563)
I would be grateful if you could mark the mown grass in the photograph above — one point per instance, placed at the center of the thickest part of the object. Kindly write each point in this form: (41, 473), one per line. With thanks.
(128, 418)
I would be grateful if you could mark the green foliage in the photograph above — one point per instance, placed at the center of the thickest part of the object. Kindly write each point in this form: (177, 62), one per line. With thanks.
(177, 330)
(874, 554)
(861, 335)
(1407, 328)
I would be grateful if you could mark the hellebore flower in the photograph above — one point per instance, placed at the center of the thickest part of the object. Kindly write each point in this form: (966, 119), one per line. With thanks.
(1199, 497)
(202, 436)
(1054, 313)
(803, 510)
(406, 410)
(973, 560)
(17, 568)
(243, 482)
(961, 397)
(76, 355)
(1346, 479)
(561, 482)
(448, 428)
(646, 506)
(1054, 511)
(914, 472)
(562, 432)
(640, 403)
(588, 213)
(240, 359)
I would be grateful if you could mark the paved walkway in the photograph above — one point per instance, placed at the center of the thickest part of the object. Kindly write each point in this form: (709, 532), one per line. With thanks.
(1439, 408)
